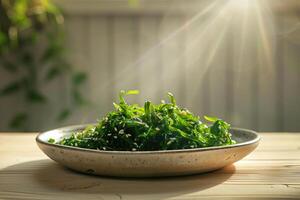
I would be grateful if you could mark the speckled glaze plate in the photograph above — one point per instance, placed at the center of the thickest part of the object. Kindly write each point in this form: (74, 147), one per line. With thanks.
(146, 163)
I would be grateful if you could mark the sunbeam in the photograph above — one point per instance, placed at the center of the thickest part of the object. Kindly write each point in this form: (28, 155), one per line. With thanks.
(151, 52)
(265, 35)
(245, 25)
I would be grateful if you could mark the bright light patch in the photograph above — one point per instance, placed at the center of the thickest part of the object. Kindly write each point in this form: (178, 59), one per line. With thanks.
(240, 4)
(241, 31)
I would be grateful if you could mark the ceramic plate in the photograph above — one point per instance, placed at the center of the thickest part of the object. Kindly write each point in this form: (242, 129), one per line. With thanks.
(146, 163)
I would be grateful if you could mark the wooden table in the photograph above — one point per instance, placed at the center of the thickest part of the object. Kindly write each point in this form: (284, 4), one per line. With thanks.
(272, 171)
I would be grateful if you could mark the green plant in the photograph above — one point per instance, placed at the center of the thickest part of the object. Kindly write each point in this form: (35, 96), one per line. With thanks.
(163, 126)
(32, 50)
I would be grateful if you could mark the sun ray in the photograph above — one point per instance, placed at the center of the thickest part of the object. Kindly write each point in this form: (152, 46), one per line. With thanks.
(243, 21)
(206, 33)
(265, 37)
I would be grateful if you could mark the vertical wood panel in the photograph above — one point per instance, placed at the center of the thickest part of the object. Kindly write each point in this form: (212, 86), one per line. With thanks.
(78, 28)
(45, 116)
(159, 64)
(269, 77)
(205, 60)
(291, 75)
(148, 61)
(244, 67)
(110, 27)
(217, 76)
(182, 97)
(229, 74)
(172, 56)
(10, 105)
(99, 74)
(194, 65)
(124, 54)
(217, 84)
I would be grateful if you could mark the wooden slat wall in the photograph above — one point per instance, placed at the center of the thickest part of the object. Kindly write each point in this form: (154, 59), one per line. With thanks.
(135, 52)
(290, 70)
(129, 52)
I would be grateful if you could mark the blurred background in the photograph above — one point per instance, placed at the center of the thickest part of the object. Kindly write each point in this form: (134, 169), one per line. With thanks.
(63, 62)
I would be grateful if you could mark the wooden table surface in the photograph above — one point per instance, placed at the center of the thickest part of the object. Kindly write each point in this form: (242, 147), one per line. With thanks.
(271, 172)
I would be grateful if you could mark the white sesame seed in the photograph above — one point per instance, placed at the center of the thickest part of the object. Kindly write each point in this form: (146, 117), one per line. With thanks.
(133, 149)
(115, 137)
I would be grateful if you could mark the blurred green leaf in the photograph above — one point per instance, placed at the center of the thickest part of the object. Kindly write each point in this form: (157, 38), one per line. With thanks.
(19, 14)
(27, 59)
(52, 73)
(35, 96)
(78, 98)
(19, 120)
(52, 51)
(13, 36)
(9, 66)
(3, 39)
(27, 26)
(51, 8)
(11, 88)
(78, 78)
(30, 39)
(64, 114)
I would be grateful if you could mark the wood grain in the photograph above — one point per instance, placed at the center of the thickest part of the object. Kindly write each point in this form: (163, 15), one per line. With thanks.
(271, 172)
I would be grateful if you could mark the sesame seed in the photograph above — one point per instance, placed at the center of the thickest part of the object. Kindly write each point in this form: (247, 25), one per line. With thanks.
(115, 137)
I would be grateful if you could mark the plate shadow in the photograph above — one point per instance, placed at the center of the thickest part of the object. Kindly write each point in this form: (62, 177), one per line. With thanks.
(42, 176)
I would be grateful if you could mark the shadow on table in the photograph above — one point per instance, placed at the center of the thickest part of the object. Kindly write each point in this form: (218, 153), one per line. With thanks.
(46, 175)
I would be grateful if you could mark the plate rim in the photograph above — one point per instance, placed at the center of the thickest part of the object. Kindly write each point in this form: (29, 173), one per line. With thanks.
(74, 127)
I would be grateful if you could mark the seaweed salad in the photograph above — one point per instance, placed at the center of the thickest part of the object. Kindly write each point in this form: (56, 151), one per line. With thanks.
(164, 126)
